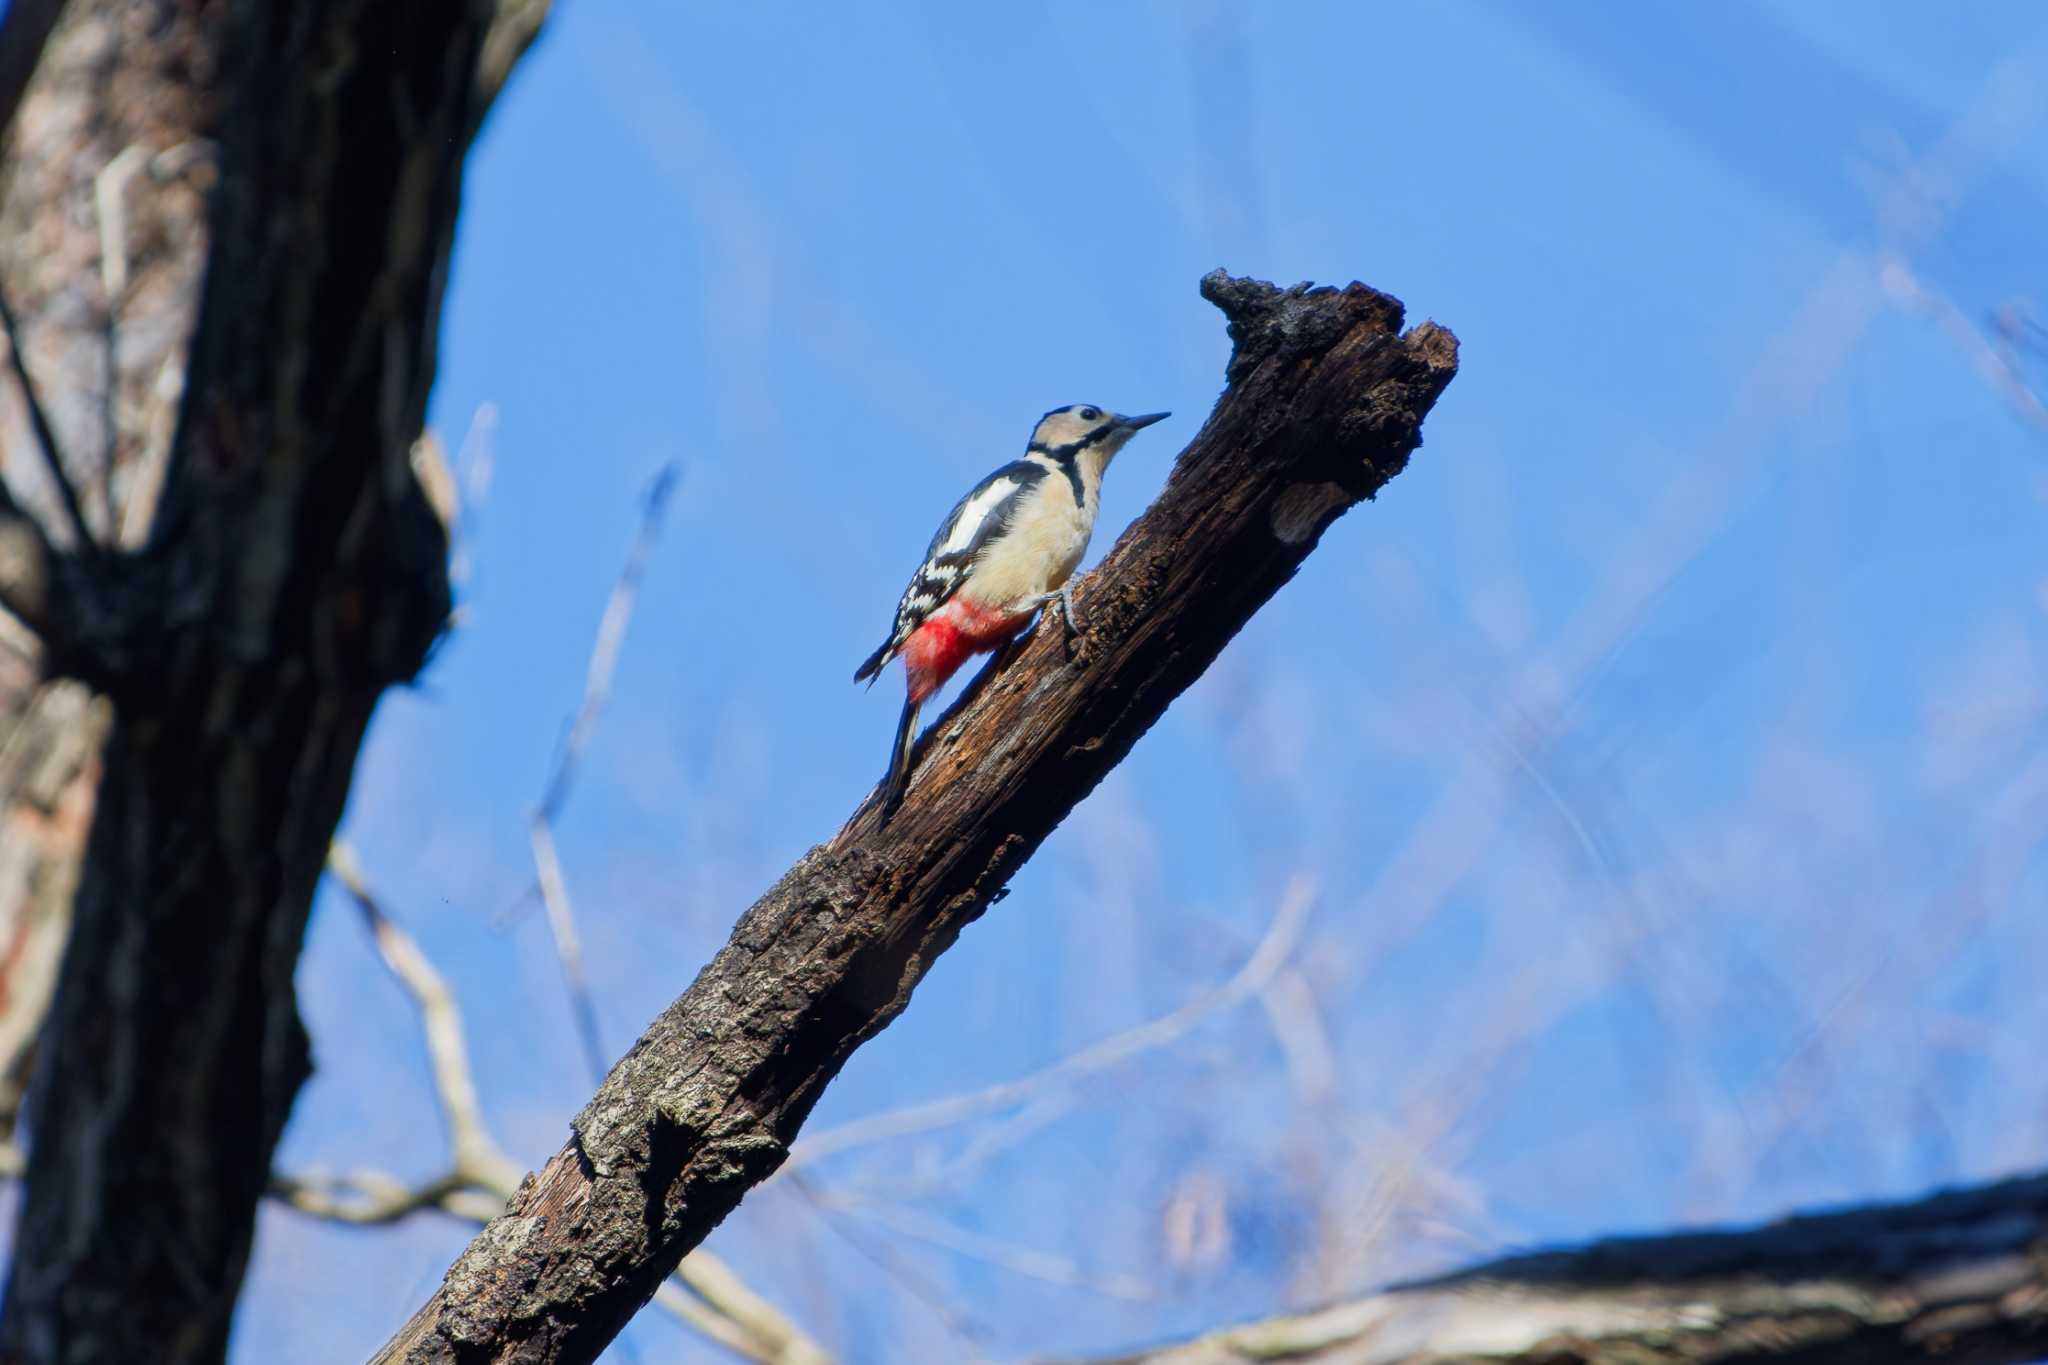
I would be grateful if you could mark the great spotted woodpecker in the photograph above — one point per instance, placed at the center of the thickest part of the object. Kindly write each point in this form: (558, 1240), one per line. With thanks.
(1006, 549)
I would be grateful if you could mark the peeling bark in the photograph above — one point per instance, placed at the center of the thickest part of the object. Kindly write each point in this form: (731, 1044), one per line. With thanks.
(1325, 401)
(1960, 1278)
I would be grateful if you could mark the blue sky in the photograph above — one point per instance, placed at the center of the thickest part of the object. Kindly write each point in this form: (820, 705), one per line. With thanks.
(1664, 748)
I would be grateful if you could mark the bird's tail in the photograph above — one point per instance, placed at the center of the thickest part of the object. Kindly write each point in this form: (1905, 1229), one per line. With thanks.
(898, 780)
(867, 671)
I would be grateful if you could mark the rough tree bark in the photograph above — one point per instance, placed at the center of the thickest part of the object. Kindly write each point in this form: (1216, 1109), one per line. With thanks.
(292, 571)
(101, 198)
(1960, 1278)
(1324, 403)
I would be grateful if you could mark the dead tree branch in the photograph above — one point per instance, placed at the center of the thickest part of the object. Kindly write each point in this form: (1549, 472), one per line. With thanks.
(1324, 404)
(480, 1177)
(1960, 1278)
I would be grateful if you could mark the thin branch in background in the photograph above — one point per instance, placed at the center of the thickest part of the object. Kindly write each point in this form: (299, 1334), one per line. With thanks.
(990, 1141)
(2018, 328)
(554, 894)
(611, 635)
(1026, 1261)
(481, 1177)
(1266, 960)
(46, 435)
(475, 462)
(369, 1198)
(2016, 815)
(1997, 363)
(1792, 366)
(1037, 1101)
(597, 687)
(1297, 1024)
(839, 1219)
(476, 1155)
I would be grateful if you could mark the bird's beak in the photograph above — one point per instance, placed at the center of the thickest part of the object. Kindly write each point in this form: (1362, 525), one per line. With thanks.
(1133, 423)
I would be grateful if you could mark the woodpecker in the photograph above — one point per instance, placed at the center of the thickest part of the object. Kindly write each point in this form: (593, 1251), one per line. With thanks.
(1004, 551)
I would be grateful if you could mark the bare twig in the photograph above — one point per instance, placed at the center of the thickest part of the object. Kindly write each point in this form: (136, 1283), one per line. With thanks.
(611, 635)
(1266, 960)
(370, 1197)
(885, 1257)
(478, 1158)
(554, 894)
(46, 435)
(471, 472)
(1996, 363)
(1026, 1261)
(597, 687)
(1290, 1005)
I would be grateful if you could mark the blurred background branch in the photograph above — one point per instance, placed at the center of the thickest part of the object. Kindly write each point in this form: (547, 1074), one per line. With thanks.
(1961, 1276)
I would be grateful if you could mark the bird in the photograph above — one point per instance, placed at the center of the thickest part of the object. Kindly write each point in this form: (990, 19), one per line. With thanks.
(1006, 550)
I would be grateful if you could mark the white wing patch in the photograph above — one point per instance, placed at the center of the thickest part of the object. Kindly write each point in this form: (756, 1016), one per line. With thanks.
(972, 514)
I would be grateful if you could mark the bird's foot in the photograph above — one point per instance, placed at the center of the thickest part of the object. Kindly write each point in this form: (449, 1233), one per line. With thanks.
(1065, 599)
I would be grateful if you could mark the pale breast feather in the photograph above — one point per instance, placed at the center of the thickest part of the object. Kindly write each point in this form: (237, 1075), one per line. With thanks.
(967, 530)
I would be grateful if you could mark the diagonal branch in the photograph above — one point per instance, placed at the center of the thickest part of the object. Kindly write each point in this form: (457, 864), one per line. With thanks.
(480, 1178)
(1324, 404)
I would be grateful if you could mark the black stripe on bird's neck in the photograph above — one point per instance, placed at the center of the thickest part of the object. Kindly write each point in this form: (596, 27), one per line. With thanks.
(1068, 458)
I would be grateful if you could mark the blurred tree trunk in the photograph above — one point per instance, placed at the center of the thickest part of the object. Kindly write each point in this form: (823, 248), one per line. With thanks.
(225, 231)
(111, 81)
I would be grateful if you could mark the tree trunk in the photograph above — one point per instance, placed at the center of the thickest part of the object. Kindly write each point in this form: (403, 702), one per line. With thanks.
(1324, 404)
(293, 570)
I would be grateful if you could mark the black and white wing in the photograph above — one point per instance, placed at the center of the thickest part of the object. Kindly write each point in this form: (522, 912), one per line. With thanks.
(967, 530)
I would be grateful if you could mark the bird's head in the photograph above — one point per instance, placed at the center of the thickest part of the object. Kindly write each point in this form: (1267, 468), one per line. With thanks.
(1087, 429)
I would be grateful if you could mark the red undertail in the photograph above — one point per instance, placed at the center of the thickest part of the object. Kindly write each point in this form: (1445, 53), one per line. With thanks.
(933, 653)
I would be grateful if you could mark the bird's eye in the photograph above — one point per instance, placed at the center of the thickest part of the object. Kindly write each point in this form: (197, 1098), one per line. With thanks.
(1090, 414)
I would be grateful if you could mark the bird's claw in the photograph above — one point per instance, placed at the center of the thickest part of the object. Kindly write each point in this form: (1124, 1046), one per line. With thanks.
(1066, 601)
